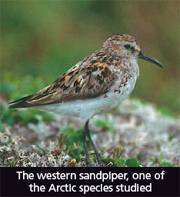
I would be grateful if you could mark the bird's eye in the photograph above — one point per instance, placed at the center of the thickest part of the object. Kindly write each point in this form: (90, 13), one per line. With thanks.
(127, 46)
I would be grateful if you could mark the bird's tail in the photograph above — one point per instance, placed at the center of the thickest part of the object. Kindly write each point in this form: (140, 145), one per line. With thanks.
(20, 103)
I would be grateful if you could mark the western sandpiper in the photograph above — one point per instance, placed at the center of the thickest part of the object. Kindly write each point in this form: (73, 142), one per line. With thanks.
(96, 84)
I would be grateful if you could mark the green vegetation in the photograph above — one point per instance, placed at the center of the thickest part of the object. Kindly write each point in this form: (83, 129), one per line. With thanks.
(160, 162)
(12, 89)
(70, 142)
(13, 116)
(105, 124)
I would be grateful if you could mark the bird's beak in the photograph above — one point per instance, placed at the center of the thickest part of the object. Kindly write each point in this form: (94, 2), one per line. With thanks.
(150, 59)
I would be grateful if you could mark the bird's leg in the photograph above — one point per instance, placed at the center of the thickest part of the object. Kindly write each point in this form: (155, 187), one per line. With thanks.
(84, 134)
(87, 133)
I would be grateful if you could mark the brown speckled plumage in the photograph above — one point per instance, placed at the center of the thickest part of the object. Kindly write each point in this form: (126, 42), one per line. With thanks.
(92, 77)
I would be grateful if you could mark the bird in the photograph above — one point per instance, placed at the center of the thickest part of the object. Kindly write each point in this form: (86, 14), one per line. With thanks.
(96, 84)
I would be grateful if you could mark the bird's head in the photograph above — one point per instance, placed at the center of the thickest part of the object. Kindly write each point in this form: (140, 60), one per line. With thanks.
(126, 46)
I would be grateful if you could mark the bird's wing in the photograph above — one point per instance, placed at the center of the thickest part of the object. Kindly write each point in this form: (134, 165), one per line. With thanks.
(83, 81)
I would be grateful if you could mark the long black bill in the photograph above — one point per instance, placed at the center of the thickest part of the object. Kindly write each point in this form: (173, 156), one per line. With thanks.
(150, 59)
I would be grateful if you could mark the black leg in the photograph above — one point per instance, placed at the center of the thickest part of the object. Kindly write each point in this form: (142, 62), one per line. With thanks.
(88, 161)
(86, 133)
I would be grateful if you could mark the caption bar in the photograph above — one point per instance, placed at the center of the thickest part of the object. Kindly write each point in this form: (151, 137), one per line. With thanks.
(91, 181)
(103, 177)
